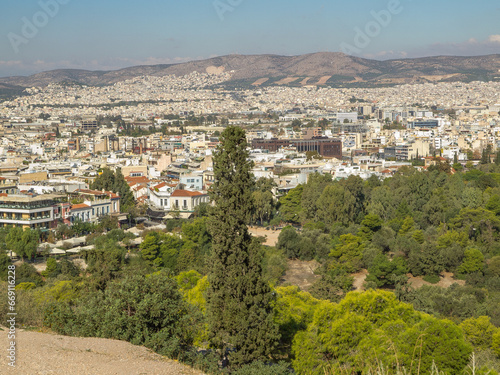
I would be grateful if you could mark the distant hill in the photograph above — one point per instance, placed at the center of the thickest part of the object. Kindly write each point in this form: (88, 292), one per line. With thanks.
(9, 91)
(325, 68)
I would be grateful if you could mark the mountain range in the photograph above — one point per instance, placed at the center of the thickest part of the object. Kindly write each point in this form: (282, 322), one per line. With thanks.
(324, 68)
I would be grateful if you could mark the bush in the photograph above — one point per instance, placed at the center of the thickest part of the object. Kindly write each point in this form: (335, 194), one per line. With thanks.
(433, 279)
(261, 368)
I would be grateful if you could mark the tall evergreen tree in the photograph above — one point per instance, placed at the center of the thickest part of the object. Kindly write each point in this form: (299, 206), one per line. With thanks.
(239, 308)
(115, 182)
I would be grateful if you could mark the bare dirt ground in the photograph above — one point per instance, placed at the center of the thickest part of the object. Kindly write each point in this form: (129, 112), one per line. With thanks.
(440, 77)
(304, 81)
(44, 354)
(272, 235)
(445, 281)
(301, 273)
(323, 80)
(287, 80)
(359, 279)
(260, 81)
(357, 79)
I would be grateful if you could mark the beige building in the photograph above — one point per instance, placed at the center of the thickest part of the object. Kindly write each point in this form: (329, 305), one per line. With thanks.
(33, 177)
(135, 171)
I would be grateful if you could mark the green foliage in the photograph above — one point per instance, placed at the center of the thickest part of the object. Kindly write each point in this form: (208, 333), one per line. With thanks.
(51, 270)
(384, 272)
(274, 265)
(495, 342)
(25, 286)
(27, 273)
(262, 368)
(337, 204)
(333, 285)
(293, 311)
(196, 295)
(473, 261)
(289, 242)
(23, 242)
(349, 253)
(479, 331)
(373, 327)
(290, 208)
(104, 264)
(150, 247)
(5, 262)
(263, 206)
(142, 310)
(456, 302)
(408, 226)
(115, 182)
(187, 280)
(239, 311)
(433, 279)
(316, 183)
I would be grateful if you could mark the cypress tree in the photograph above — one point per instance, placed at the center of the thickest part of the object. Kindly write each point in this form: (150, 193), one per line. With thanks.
(239, 310)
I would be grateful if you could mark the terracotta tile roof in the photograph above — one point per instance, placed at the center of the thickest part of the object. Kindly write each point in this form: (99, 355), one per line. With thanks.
(186, 193)
(79, 206)
(159, 186)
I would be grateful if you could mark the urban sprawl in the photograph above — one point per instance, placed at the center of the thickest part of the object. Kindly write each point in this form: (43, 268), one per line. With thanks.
(161, 133)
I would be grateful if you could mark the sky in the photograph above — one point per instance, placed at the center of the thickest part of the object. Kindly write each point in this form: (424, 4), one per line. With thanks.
(41, 35)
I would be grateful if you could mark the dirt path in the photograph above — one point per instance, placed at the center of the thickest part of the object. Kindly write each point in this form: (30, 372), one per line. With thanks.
(43, 353)
(272, 235)
(359, 279)
(446, 280)
(301, 273)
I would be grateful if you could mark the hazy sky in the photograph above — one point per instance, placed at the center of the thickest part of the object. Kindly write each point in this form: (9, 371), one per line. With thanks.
(108, 34)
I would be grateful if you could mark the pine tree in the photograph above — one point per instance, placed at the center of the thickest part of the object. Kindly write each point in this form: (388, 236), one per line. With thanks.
(238, 300)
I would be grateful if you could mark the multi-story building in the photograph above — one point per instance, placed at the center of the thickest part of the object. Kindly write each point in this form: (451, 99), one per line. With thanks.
(326, 147)
(94, 204)
(30, 211)
(7, 186)
(187, 201)
(192, 181)
(159, 195)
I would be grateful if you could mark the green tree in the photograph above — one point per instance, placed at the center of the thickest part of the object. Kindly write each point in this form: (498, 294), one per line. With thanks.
(385, 272)
(5, 262)
(264, 205)
(291, 205)
(115, 182)
(316, 183)
(239, 308)
(23, 242)
(150, 247)
(349, 253)
(473, 261)
(289, 242)
(52, 269)
(479, 331)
